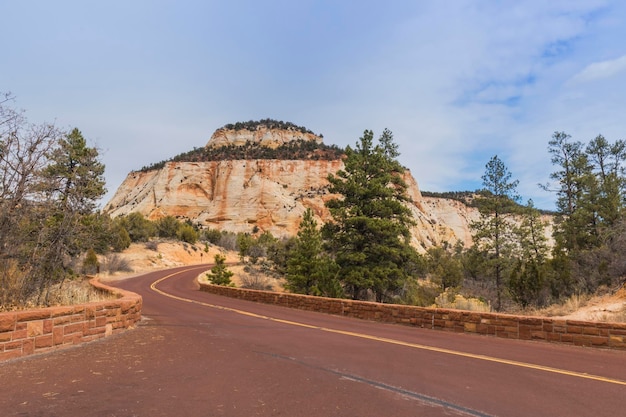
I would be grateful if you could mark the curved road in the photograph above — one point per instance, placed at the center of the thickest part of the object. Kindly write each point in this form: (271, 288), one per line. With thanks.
(197, 354)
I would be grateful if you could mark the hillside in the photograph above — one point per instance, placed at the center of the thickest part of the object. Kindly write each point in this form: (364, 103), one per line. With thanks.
(268, 192)
(283, 172)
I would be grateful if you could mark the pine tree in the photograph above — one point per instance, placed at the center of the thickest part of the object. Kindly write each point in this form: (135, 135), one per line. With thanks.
(220, 274)
(71, 185)
(529, 274)
(309, 269)
(576, 193)
(493, 232)
(369, 232)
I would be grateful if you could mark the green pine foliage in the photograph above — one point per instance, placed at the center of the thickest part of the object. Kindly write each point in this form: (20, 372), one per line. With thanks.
(309, 269)
(590, 188)
(444, 268)
(294, 150)
(529, 274)
(368, 235)
(253, 125)
(493, 233)
(50, 182)
(220, 274)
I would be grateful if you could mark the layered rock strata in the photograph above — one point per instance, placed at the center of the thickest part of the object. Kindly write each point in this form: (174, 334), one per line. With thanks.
(268, 194)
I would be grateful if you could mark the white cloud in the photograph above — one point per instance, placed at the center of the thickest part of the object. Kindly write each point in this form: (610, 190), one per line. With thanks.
(601, 70)
(457, 82)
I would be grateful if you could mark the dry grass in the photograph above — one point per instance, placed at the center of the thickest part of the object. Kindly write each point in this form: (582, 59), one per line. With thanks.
(114, 262)
(609, 307)
(78, 291)
(459, 302)
(11, 285)
(255, 281)
(609, 317)
(569, 306)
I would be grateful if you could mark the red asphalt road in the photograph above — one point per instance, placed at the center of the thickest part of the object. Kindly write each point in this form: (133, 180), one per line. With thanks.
(206, 355)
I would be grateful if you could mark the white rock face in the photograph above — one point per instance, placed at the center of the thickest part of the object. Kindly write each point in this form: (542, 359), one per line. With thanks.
(271, 138)
(229, 195)
(269, 194)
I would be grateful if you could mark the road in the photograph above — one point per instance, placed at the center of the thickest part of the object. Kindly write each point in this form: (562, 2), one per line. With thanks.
(197, 354)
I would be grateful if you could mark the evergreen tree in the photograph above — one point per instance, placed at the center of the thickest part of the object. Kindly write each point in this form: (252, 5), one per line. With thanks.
(493, 232)
(71, 184)
(76, 175)
(444, 268)
(244, 243)
(119, 237)
(369, 232)
(91, 265)
(607, 163)
(309, 269)
(576, 194)
(528, 276)
(220, 274)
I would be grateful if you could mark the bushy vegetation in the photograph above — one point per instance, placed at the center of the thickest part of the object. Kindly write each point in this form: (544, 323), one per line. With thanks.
(50, 181)
(253, 125)
(363, 252)
(294, 150)
(472, 198)
(509, 267)
(465, 197)
(511, 264)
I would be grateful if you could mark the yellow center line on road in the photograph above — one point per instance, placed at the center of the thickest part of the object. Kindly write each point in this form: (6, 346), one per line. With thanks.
(392, 341)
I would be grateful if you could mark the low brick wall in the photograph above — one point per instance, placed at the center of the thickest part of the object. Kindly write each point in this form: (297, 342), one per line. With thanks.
(33, 331)
(572, 332)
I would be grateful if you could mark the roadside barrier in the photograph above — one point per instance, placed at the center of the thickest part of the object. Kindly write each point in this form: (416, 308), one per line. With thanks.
(38, 330)
(571, 332)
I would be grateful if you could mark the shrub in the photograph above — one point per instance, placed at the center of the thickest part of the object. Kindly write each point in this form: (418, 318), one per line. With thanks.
(220, 275)
(167, 227)
(228, 241)
(212, 235)
(152, 245)
(187, 233)
(115, 263)
(449, 299)
(91, 265)
(138, 227)
(255, 281)
(120, 239)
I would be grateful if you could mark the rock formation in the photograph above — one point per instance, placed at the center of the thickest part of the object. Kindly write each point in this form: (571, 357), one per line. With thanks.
(268, 194)
(262, 135)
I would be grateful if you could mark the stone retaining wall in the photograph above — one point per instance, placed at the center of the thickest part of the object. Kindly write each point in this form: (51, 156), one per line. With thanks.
(33, 331)
(572, 332)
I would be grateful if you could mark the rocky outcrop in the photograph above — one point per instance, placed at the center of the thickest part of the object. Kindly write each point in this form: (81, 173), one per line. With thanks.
(229, 195)
(262, 135)
(269, 194)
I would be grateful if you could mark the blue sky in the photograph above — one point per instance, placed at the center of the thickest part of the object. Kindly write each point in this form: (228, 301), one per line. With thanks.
(456, 81)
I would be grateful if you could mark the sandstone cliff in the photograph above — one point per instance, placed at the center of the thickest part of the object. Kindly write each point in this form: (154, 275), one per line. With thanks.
(262, 135)
(269, 194)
